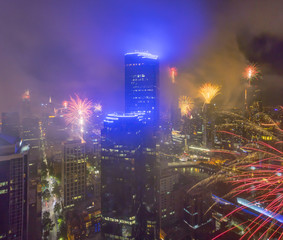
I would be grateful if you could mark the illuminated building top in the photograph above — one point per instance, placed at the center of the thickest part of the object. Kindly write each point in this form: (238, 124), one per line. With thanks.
(143, 55)
(116, 116)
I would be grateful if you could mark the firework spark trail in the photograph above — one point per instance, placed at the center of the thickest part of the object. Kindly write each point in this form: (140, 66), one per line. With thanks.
(209, 91)
(173, 74)
(228, 231)
(259, 173)
(248, 126)
(268, 121)
(78, 112)
(186, 105)
(267, 185)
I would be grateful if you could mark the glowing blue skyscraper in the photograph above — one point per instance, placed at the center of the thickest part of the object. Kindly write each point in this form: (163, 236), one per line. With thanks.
(142, 97)
(142, 84)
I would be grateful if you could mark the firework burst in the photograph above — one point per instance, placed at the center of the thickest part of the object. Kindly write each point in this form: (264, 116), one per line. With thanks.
(186, 105)
(251, 72)
(78, 112)
(209, 91)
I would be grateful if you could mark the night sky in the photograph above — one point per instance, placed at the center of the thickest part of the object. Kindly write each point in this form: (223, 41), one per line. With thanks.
(58, 48)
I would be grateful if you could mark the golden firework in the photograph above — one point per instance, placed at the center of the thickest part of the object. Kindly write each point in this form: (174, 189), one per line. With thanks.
(186, 105)
(209, 91)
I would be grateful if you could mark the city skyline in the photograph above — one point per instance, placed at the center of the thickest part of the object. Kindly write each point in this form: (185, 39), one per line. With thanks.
(141, 120)
(52, 59)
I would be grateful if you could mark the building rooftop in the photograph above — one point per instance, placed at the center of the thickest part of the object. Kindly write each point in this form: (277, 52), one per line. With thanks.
(143, 55)
(110, 118)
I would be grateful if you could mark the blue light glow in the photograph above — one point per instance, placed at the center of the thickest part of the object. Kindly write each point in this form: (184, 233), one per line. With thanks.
(143, 55)
(261, 210)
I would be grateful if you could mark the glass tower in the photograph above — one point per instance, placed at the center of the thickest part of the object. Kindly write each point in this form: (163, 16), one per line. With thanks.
(141, 84)
(142, 96)
(13, 189)
(121, 165)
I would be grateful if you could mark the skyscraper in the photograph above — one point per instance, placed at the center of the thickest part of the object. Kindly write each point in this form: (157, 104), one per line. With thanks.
(208, 125)
(13, 189)
(31, 136)
(74, 172)
(26, 106)
(121, 183)
(142, 84)
(141, 96)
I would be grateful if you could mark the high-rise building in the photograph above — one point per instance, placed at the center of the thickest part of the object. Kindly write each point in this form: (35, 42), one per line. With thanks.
(26, 106)
(13, 189)
(31, 136)
(208, 125)
(121, 182)
(73, 172)
(142, 96)
(11, 124)
(142, 84)
(170, 198)
(253, 97)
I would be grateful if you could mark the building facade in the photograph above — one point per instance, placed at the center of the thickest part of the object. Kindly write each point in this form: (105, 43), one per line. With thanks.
(73, 172)
(13, 189)
(142, 97)
(121, 176)
(142, 84)
(31, 135)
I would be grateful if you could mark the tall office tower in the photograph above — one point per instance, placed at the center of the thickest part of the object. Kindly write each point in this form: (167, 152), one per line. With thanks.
(121, 179)
(31, 136)
(141, 96)
(11, 124)
(253, 97)
(208, 126)
(26, 108)
(73, 172)
(175, 111)
(170, 198)
(142, 85)
(13, 189)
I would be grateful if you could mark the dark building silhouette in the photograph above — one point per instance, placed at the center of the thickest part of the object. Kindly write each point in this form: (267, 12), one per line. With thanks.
(196, 217)
(11, 124)
(31, 136)
(121, 183)
(13, 189)
(253, 97)
(26, 104)
(208, 125)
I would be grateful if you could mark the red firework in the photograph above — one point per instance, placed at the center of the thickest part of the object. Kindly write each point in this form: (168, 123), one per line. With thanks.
(262, 180)
(251, 72)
